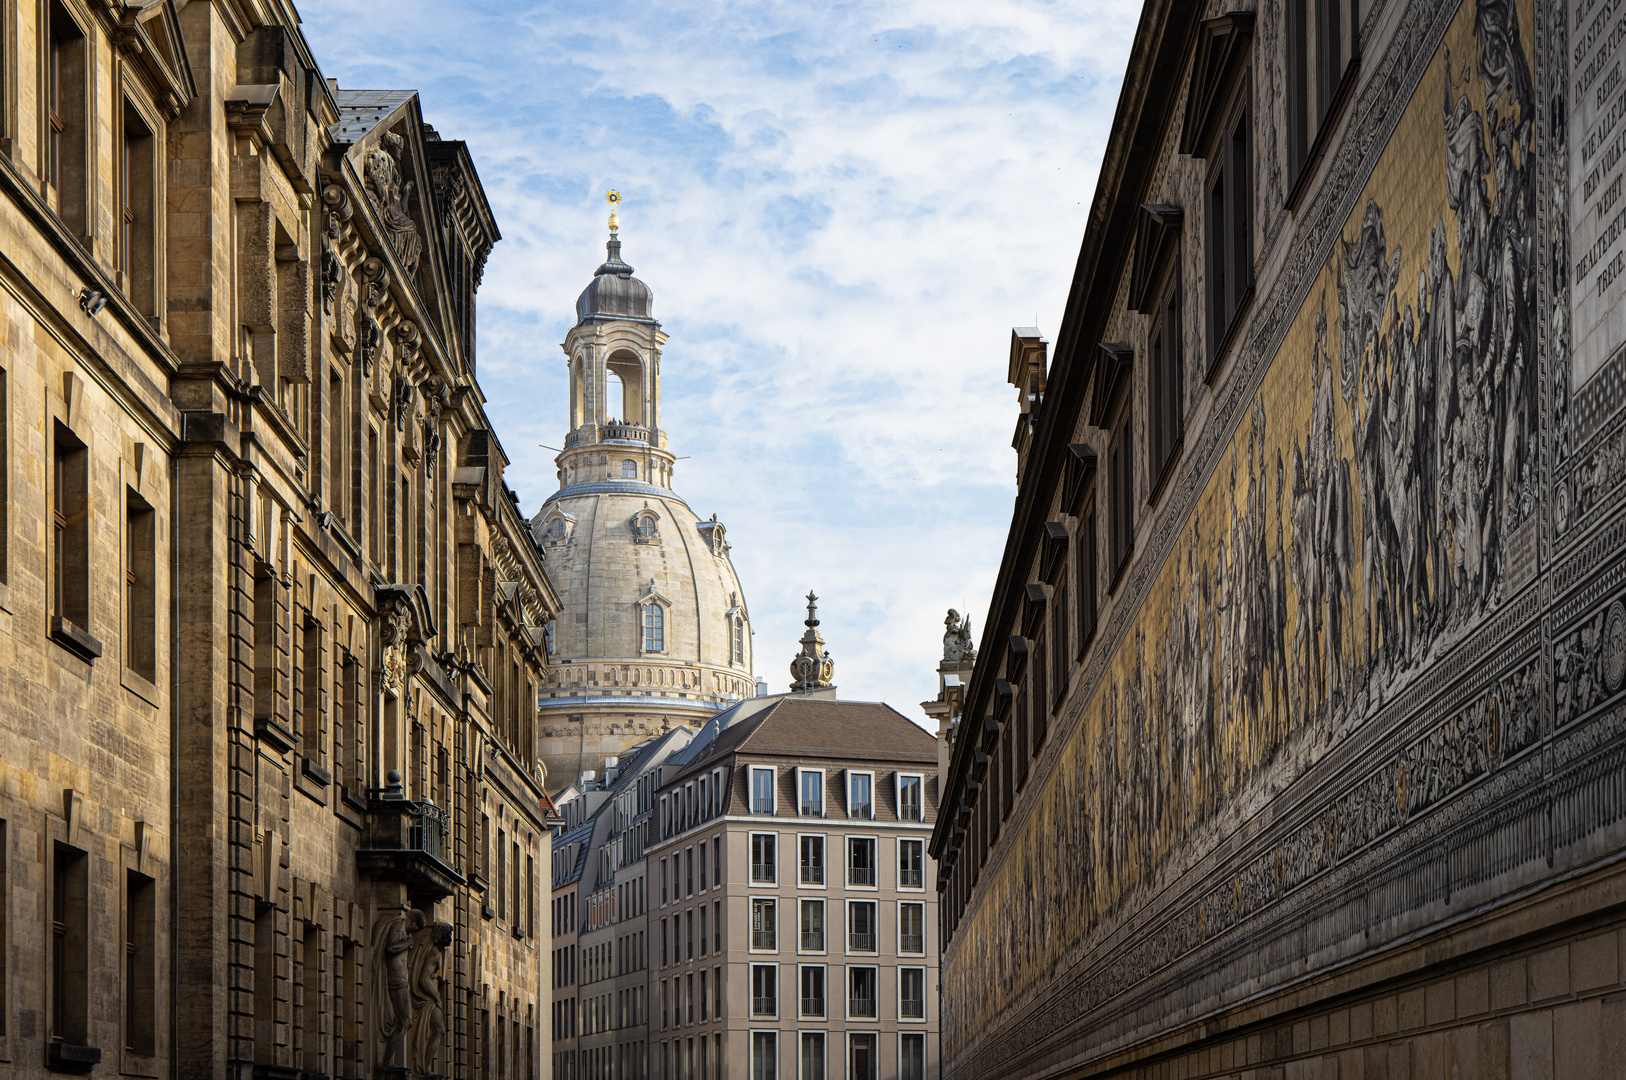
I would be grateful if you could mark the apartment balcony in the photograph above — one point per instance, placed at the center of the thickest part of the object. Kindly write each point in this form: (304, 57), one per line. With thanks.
(407, 841)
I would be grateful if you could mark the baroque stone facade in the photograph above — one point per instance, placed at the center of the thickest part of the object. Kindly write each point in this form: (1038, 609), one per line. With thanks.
(654, 632)
(1307, 729)
(271, 624)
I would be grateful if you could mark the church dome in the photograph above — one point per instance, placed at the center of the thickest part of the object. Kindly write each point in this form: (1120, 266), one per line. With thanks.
(614, 293)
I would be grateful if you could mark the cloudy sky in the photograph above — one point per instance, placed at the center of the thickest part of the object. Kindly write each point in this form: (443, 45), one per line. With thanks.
(842, 209)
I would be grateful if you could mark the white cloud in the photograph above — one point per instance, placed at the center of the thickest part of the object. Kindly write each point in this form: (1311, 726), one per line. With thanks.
(842, 210)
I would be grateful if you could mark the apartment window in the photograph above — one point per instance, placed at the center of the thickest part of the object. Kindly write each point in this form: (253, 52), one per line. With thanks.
(810, 792)
(704, 939)
(663, 883)
(764, 933)
(654, 628)
(70, 530)
(764, 1055)
(912, 993)
(861, 982)
(911, 804)
(1229, 255)
(811, 860)
(911, 864)
(860, 860)
(70, 946)
(67, 130)
(812, 917)
(716, 926)
(912, 1056)
(763, 869)
(702, 866)
(1084, 572)
(764, 997)
(812, 993)
(140, 586)
(705, 996)
(137, 247)
(813, 1051)
(1121, 523)
(862, 793)
(140, 964)
(762, 791)
(861, 926)
(911, 927)
(717, 860)
(717, 1003)
(1321, 40)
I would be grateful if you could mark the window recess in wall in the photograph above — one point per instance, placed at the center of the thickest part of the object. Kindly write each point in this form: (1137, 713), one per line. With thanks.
(1155, 290)
(1218, 127)
(1080, 495)
(1323, 65)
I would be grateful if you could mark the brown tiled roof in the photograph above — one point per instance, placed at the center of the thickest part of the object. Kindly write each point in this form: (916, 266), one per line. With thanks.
(819, 727)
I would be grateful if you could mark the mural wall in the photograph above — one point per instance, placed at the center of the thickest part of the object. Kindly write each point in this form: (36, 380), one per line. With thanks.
(1372, 525)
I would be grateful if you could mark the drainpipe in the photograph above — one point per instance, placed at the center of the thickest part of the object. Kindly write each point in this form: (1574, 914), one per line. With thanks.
(175, 760)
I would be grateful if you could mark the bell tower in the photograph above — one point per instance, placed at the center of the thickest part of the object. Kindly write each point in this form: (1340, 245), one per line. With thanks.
(614, 353)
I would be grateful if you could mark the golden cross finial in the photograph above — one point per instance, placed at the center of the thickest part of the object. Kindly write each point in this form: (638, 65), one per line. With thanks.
(613, 197)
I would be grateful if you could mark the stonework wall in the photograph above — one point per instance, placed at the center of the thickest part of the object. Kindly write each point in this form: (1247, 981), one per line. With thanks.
(1356, 687)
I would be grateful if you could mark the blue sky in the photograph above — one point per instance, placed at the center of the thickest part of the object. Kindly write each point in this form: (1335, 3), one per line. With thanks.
(842, 209)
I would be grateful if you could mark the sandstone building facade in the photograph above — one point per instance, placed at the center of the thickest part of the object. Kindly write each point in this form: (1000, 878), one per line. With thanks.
(654, 632)
(271, 625)
(1295, 743)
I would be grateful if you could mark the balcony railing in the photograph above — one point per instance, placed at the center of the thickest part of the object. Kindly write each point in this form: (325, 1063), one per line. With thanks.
(861, 942)
(861, 1006)
(911, 878)
(589, 433)
(813, 939)
(763, 939)
(860, 875)
(406, 841)
(912, 943)
(812, 1006)
(763, 1006)
(426, 831)
(812, 875)
(762, 872)
(912, 1009)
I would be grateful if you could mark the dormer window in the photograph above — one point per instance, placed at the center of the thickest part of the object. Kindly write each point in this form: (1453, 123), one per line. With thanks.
(645, 526)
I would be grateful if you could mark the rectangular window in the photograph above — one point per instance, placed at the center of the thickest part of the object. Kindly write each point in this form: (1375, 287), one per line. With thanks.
(764, 1055)
(912, 928)
(705, 939)
(310, 968)
(812, 991)
(813, 1052)
(501, 877)
(764, 933)
(1084, 572)
(1228, 214)
(1165, 377)
(764, 992)
(812, 860)
(763, 867)
(1060, 627)
(705, 996)
(911, 864)
(911, 803)
(717, 860)
(654, 628)
(862, 796)
(1320, 51)
(688, 934)
(702, 867)
(140, 586)
(716, 926)
(70, 530)
(663, 943)
(375, 509)
(861, 926)
(334, 451)
(140, 964)
(912, 1056)
(810, 802)
(717, 998)
(861, 982)
(67, 114)
(860, 860)
(912, 993)
(663, 883)
(310, 681)
(70, 946)
(137, 247)
(762, 791)
(812, 925)
(1122, 521)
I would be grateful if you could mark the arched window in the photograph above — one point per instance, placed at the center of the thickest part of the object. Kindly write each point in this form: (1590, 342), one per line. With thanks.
(645, 527)
(556, 529)
(654, 628)
(629, 469)
(739, 640)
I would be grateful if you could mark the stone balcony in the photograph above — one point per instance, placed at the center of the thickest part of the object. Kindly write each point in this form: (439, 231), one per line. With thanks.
(407, 841)
(592, 433)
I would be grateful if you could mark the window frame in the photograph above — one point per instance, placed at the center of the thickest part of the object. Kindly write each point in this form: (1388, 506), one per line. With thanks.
(773, 789)
(802, 948)
(921, 847)
(653, 633)
(875, 973)
(1228, 251)
(771, 904)
(848, 933)
(802, 775)
(898, 915)
(757, 971)
(852, 777)
(824, 861)
(847, 865)
(773, 841)
(1165, 376)
(1121, 488)
(898, 785)
(924, 1009)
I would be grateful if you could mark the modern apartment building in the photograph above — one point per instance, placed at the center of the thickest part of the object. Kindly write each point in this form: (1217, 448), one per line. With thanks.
(793, 908)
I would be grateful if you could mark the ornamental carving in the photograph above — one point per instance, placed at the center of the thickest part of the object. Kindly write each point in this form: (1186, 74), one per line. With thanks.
(374, 291)
(395, 622)
(392, 194)
(335, 225)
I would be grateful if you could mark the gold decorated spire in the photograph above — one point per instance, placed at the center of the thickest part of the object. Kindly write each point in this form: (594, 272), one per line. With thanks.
(613, 197)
